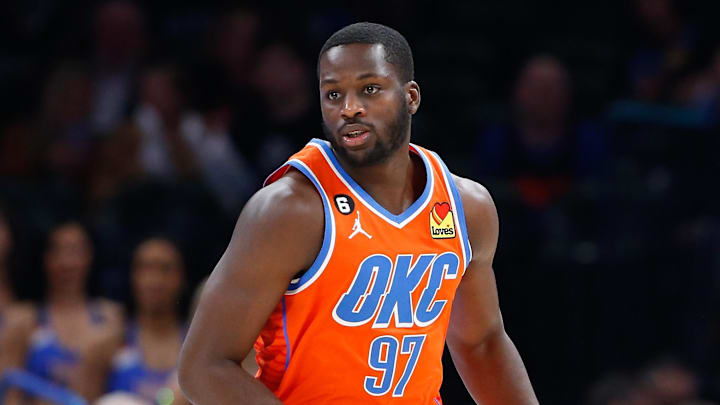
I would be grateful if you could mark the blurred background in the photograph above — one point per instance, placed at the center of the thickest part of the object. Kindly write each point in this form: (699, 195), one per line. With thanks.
(131, 134)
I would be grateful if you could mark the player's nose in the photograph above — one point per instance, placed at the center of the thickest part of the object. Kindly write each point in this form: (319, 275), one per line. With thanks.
(352, 107)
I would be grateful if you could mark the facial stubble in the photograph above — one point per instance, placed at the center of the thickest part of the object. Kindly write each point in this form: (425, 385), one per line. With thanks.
(398, 130)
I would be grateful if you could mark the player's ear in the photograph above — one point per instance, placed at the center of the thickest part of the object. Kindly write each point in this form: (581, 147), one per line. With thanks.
(412, 96)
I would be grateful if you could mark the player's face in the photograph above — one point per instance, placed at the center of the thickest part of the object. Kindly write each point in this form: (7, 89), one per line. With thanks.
(366, 108)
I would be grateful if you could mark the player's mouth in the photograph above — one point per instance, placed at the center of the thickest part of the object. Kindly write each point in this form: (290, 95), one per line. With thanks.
(356, 138)
(354, 135)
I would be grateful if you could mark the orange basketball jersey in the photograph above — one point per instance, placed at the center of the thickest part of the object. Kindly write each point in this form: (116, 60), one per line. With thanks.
(366, 323)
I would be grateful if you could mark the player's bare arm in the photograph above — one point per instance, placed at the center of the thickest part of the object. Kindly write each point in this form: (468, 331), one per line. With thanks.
(278, 234)
(484, 355)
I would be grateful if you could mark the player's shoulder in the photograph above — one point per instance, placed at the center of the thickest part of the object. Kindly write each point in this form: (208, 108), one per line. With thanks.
(480, 214)
(473, 194)
(282, 223)
(292, 199)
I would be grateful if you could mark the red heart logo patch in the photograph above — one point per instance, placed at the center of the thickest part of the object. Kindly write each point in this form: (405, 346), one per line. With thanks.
(441, 209)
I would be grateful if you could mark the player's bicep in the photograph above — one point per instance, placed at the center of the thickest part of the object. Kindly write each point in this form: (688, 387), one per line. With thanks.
(475, 312)
(277, 234)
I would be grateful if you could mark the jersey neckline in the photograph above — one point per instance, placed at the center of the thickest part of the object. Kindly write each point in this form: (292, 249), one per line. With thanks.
(400, 220)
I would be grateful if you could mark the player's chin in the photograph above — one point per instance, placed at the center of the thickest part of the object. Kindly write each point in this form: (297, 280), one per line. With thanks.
(366, 158)
(354, 157)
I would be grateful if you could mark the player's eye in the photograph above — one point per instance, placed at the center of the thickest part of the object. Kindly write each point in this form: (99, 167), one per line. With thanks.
(333, 95)
(371, 89)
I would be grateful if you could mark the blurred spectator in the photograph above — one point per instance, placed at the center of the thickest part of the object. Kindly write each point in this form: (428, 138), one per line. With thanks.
(666, 382)
(667, 53)
(20, 151)
(121, 398)
(697, 402)
(169, 142)
(11, 312)
(288, 116)
(66, 135)
(7, 295)
(544, 149)
(69, 339)
(119, 34)
(670, 383)
(226, 66)
(146, 365)
(224, 170)
(163, 121)
(231, 52)
(702, 90)
(6, 246)
(233, 45)
(618, 389)
(116, 165)
(60, 143)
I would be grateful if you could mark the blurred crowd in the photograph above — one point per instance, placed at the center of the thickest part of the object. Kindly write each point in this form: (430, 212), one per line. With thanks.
(131, 135)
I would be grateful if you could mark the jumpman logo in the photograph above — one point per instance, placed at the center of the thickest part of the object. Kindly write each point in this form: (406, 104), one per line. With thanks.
(357, 228)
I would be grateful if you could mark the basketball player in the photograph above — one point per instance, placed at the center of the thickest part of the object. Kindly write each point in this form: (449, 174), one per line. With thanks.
(356, 261)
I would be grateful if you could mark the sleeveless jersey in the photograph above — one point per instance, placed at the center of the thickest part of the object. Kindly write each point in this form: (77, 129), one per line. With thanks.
(366, 323)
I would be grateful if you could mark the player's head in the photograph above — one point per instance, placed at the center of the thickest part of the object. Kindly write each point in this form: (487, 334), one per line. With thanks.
(397, 49)
(367, 92)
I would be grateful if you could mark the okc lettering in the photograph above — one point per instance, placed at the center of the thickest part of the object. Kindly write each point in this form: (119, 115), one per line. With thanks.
(378, 276)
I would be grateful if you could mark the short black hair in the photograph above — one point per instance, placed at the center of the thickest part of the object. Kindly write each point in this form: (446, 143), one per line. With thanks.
(397, 49)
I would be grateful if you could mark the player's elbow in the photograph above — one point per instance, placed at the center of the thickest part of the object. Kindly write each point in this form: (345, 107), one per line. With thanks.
(188, 371)
(479, 341)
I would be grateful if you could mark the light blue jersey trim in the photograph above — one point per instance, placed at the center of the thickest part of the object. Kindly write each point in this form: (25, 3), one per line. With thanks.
(397, 220)
(328, 243)
(287, 337)
(460, 211)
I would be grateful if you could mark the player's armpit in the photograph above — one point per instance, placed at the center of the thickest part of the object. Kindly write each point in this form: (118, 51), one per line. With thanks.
(278, 234)
(475, 308)
(481, 218)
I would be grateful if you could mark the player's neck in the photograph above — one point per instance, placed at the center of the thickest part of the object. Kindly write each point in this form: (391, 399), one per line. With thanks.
(395, 183)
